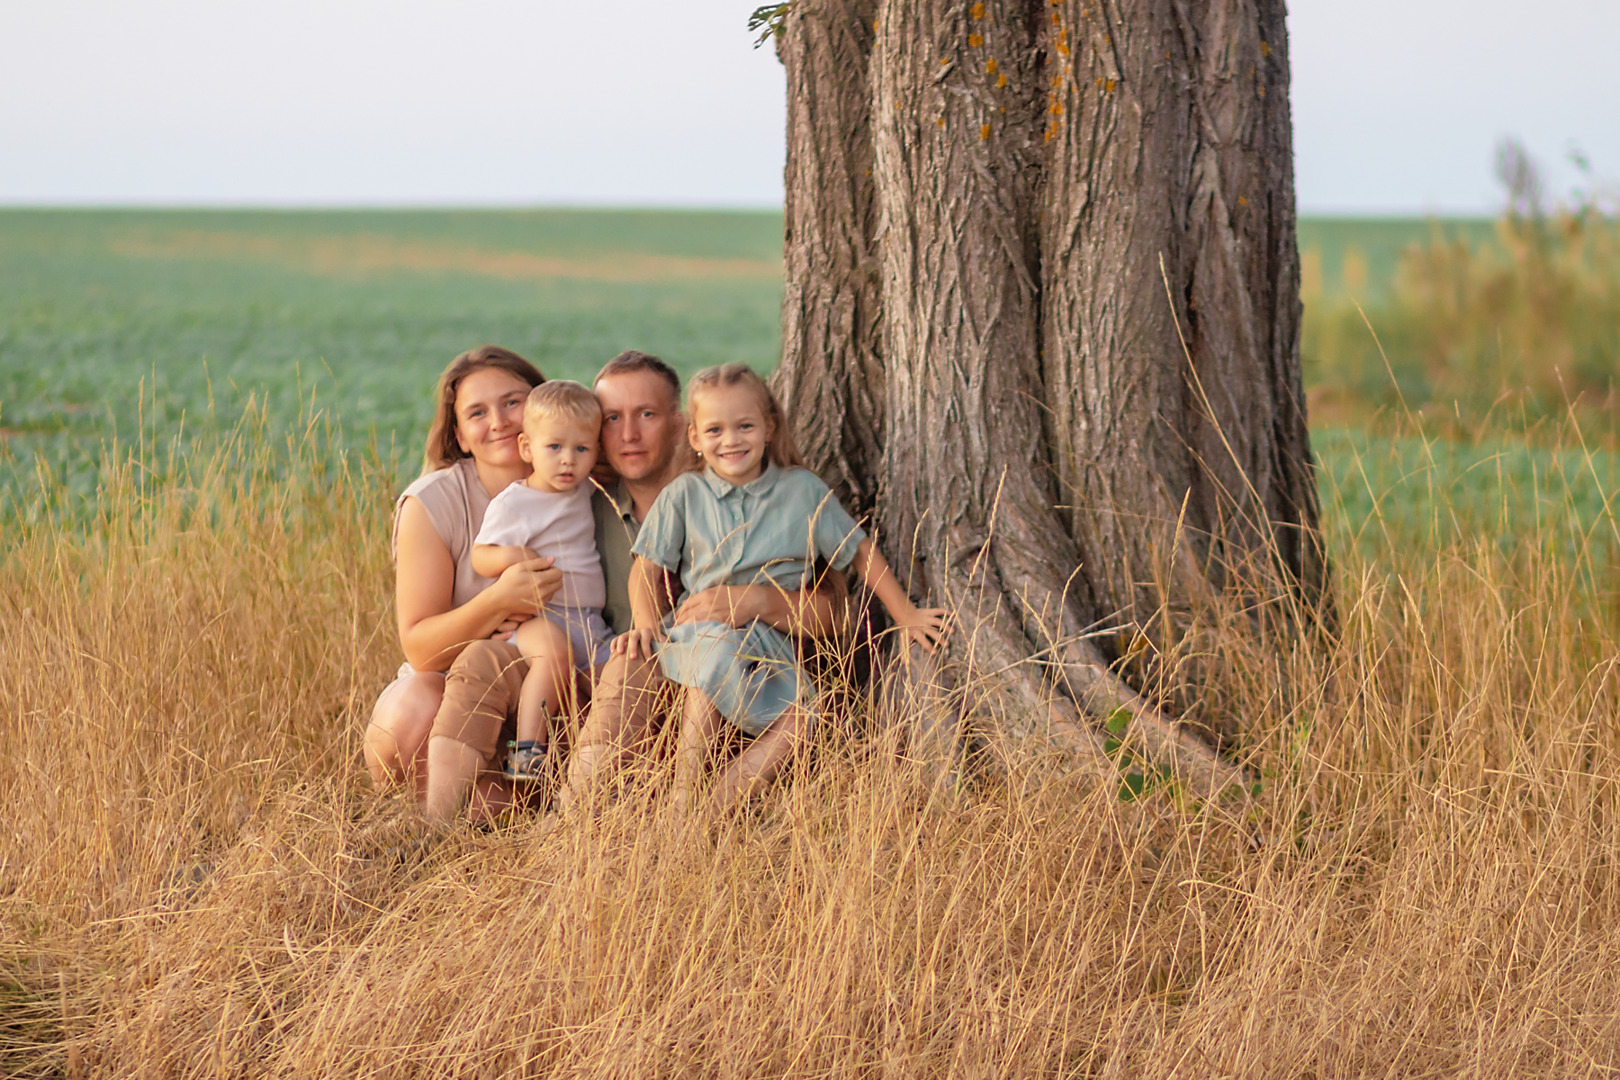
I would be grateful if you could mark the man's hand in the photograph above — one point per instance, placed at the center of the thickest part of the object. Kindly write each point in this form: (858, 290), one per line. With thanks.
(734, 605)
(926, 626)
(636, 644)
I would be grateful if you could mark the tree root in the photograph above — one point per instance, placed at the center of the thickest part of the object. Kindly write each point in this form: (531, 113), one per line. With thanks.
(1064, 717)
(1097, 690)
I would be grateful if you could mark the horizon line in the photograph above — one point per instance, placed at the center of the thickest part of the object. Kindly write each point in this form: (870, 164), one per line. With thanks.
(566, 206)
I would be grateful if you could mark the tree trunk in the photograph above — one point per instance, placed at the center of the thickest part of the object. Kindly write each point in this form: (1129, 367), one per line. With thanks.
(1055, 329)
(831, 376)
(1169, 180)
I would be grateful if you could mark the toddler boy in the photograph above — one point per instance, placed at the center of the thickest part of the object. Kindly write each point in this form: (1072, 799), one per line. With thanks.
(550, 514)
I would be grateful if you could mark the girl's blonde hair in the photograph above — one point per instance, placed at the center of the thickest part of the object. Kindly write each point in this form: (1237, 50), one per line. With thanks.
(782, 450)
(442, 447)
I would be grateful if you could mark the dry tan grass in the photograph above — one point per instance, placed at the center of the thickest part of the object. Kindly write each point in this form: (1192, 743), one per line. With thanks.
(197, 881)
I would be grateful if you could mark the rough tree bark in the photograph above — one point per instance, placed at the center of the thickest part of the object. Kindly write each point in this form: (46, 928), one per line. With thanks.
(830, 302)
(1042, 322)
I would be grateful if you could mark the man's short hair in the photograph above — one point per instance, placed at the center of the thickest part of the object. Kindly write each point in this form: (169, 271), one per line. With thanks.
(630, 360)
(562, 399)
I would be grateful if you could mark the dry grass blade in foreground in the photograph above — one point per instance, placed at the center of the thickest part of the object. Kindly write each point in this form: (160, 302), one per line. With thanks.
(196, 880)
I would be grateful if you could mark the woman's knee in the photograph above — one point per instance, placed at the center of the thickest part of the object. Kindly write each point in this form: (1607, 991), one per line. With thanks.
(397, 734)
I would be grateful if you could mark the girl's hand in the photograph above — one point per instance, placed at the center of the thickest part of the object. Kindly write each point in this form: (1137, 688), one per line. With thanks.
(525, 587)
(636, 644)
(926, 626)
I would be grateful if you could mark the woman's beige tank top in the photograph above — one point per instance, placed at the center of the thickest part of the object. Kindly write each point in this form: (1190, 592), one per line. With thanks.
(455, 501)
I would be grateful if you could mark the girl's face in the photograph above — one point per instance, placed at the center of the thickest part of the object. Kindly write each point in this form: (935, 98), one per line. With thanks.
(730, 429)
(489, 416)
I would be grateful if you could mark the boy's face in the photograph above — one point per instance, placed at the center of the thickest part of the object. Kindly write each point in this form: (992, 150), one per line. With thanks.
(562, 451)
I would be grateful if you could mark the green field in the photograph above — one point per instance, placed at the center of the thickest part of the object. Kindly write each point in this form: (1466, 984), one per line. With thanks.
(1336, 245)
(150, 324)
(109, 320)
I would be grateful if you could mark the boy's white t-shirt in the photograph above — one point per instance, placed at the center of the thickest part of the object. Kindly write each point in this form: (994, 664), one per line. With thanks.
(556, 524)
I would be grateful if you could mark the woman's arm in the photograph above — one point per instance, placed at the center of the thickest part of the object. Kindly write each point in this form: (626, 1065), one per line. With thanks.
(925, 626)
(433, 632)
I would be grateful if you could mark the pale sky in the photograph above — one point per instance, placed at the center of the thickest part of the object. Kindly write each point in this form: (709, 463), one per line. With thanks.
(1397, 103)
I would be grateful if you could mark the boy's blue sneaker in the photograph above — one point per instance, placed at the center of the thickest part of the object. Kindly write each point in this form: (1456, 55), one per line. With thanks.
(525, 761)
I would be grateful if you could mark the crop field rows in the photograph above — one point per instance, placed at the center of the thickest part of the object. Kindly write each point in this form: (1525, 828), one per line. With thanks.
(144, 327)
(112, 324)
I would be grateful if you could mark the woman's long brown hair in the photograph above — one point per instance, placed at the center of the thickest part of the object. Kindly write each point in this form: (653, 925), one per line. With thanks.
(442, 447)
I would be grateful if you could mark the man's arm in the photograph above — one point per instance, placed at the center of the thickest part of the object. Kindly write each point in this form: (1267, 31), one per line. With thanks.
(822, 611)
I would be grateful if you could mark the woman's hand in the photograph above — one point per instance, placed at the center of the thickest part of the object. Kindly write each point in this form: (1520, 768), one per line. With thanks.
(926, 626)
(526, 587)
(636, 644)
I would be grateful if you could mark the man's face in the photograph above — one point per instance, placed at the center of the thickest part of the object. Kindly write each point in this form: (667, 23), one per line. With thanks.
(641, 423)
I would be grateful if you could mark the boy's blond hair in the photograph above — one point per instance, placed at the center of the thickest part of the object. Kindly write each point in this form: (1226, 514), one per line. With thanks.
(562, 399)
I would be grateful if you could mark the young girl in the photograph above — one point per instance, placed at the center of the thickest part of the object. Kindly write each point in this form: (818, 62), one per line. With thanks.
(550, 514)
(751, 515)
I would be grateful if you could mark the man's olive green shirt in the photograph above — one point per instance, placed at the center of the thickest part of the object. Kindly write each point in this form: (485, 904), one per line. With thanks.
(616, 529)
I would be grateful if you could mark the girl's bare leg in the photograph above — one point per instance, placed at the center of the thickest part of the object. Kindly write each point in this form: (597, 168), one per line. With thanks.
(700, 730)
(761, 760)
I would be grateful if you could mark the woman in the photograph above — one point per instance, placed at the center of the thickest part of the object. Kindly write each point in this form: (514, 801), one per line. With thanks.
(442, 605)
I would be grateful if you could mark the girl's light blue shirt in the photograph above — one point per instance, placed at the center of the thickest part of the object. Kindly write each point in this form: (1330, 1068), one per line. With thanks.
(766, 532)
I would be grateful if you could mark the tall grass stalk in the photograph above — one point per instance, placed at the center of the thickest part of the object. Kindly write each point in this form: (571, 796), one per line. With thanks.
(197, 880)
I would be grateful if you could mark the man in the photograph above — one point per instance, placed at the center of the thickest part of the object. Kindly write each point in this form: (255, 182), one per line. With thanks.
(644, 441)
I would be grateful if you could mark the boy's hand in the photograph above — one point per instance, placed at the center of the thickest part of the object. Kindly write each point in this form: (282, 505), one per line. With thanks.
(636, 644)
(926, 626)
(508, 625)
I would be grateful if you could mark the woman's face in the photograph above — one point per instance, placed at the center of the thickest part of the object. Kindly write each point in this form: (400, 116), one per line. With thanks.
(489, 415)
